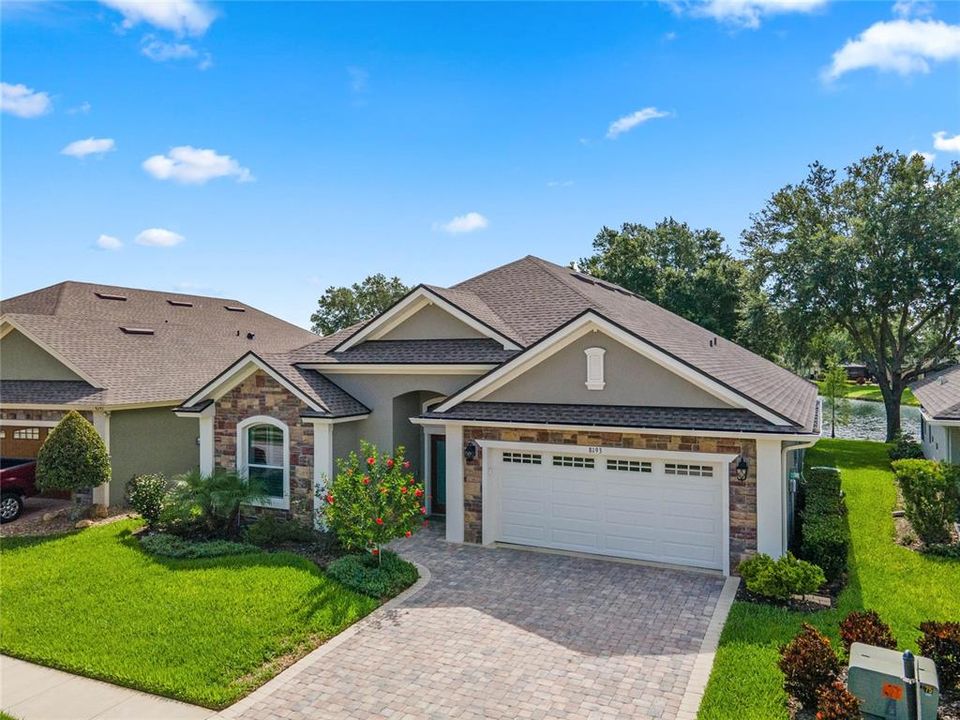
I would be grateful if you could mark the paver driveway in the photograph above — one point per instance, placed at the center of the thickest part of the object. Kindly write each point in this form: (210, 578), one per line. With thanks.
(503, 633)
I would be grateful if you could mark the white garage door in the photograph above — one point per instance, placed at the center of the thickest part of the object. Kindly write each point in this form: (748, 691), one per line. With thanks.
(667, 512)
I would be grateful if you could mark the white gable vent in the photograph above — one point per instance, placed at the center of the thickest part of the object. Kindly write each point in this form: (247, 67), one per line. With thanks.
(595, 368)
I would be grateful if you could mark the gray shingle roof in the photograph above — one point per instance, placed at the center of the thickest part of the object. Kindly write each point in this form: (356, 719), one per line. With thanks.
(610, 416)
(939, 393)
(189, 345)
(446, 351)
(50, 392)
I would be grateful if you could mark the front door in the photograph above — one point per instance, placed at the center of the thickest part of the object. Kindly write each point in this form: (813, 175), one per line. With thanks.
(438, 474)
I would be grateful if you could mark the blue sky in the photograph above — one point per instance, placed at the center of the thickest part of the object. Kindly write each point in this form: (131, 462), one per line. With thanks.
(296, 146)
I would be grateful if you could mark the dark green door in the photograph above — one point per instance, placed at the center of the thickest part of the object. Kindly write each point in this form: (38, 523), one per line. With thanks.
(438, 474)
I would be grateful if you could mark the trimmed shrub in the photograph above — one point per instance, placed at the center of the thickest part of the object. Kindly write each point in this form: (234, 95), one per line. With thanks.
(835, 702)
(379, 577)
(905, 447)
(171, 546)
(808, 663)
(270, 531)
(73, 457)
(207, 505)
(372, 500)
(941, 643)
(866, 627)
(943, 550)
(780, 578)
(930, 498)
(824, 535)
(145, 494)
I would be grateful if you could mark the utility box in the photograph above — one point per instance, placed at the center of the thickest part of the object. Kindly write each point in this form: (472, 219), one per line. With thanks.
(893, 685)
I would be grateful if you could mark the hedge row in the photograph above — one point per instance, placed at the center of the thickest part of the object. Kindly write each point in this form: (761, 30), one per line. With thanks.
(824, 535)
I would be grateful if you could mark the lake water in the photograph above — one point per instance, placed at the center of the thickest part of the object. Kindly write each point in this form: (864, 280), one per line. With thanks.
(868, 421)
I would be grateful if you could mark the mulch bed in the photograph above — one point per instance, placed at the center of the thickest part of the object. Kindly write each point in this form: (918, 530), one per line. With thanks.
(830, 590)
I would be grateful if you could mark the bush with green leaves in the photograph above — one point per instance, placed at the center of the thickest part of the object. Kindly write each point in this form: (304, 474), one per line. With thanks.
(145, 494)
(373, 499)
(73, 457)
(781, 578)
(824, 535)
(379, 577)
(172, 546)
(808, 663)
(271, 531)
(931, 497)
(208, 505)
(906, 447)
(865, 626)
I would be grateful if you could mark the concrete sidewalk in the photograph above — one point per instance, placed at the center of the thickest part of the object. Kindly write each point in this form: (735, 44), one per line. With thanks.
(33, 692)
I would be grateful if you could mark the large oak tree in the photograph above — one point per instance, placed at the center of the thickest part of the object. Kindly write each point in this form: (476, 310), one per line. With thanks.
(874, 251)
(340, 307)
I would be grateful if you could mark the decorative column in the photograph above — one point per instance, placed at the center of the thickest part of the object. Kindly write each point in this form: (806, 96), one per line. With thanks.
(101, 423)
(454, 483)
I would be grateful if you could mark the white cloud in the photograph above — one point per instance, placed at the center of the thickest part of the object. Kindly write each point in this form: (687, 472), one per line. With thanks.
(928, 157)
(358, 79)
(183, 17)
(463, 224)
(941, 141)
(916, 8)
(158, 237)
(162, 51)
(108, 242)
(559, 183)
(23, 102)
(629, 122)
(744, 13)
(81, 109)
(90, 146)
(195, 166)
(901, 46)
(206, 63)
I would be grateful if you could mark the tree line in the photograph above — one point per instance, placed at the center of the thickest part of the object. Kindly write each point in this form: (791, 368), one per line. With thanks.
(861, 265)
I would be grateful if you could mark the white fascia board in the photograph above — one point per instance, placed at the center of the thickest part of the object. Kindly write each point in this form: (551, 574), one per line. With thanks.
(432, 422)
(335, 420)
(237, 373)
(53, 353)
(934, 421)
(409, 306)
(399, 368)
(4, 422)
(563, 449)
(91, 406)
(589, 322)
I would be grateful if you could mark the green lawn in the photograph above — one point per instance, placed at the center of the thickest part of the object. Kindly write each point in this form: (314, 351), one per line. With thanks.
(872, 394)
(204, 631)
(903, 586)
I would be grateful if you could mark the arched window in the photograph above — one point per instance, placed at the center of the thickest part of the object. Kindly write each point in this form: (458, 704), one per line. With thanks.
(263, 456)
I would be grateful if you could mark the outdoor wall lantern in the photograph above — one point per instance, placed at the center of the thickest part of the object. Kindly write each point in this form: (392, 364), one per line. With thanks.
(470, 451)
(742, 468)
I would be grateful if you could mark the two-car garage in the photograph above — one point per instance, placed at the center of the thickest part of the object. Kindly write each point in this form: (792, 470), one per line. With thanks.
(668, 510)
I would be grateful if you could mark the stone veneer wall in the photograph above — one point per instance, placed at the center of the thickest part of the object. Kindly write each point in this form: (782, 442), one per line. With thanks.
(260, 394)
(743, 495)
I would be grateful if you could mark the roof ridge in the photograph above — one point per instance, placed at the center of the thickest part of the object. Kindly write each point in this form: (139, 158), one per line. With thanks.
(492, 270)
(551, 268)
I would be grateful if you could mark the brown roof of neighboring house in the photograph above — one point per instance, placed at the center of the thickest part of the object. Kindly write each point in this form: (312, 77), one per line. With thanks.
(194, 337)
(939, 393)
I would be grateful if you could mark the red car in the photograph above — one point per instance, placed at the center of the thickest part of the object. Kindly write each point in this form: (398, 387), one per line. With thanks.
(17, 481)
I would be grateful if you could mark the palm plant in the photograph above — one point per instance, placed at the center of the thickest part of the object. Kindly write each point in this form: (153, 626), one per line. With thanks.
(210, 504)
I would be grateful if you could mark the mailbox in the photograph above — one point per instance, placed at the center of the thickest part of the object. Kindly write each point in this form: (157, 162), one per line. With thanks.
(893, 685)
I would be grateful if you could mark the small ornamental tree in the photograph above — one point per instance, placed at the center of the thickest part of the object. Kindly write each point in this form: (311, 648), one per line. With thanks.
(73, 457)
(373, 499)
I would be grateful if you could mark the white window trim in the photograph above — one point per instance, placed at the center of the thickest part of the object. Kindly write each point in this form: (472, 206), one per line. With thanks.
(242, 427)
(595, 368)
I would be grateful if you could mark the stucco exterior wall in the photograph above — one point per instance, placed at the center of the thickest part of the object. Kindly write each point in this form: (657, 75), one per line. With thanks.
(940, 443)
(630, 378)
(151, 440)
(743, 494)
(260, 394)
(430, 323)
(25, 360)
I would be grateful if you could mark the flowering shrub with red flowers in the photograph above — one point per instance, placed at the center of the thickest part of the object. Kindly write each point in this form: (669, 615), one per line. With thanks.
(373, 499)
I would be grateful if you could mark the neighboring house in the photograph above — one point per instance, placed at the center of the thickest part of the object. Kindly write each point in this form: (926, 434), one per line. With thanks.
(541, 407)
(939, 396)
(123, 358)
